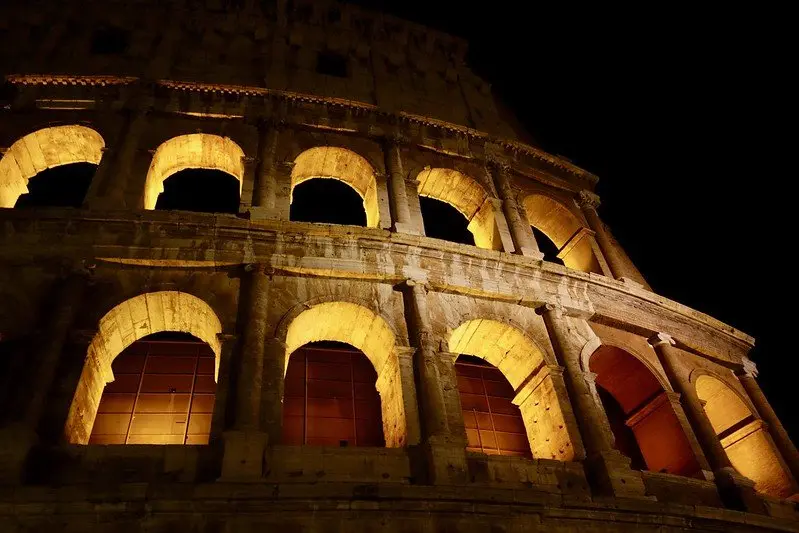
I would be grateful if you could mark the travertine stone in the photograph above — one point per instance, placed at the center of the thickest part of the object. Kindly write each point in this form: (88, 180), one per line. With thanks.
(523, 238)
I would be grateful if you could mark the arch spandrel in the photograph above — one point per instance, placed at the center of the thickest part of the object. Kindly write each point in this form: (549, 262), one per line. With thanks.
(331, 162)
(44, 149)
(192, 151)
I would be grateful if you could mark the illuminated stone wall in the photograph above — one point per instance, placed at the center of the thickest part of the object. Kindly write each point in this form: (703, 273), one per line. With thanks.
(236, 88)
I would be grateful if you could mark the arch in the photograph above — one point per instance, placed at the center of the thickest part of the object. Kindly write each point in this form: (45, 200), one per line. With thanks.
(640, 412)
(44, 149)
(331, 162)
(466, 195)
(365, 330)
(196, 150)
(538, 395)
(120, 327)
(743, 436)
(564, 229)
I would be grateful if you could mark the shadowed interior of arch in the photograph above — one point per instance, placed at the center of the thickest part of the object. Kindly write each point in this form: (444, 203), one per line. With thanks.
(200, 190)
(163, 392)
(443, 221)
(546, 246)
(328, 201)
(330, 397)
(640, 413)
(61, 186)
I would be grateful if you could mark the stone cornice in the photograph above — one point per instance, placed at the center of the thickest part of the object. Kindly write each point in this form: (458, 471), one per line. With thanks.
(687, 324)
(509, 145)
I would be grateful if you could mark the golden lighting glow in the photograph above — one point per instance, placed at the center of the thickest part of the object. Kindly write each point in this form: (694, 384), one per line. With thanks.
(344, 165)
(197, 150)
(126, 323)
(522, 364)
(564, 229)
(468, 197)
(359, 327)
(44, 149)
(744, 437)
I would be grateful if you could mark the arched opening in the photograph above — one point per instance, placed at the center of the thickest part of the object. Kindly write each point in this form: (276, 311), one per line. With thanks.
(573, 241)
(494, 425)
(744, 437)
(339, 164)
(362, 330)
(135, 320)
(327, 201)
(41, 155)
(163, 393)
(511, 355)
(465, 195)
(330, 397)
(442, 221)
(197, 151)
(644, 423)
(200, 190)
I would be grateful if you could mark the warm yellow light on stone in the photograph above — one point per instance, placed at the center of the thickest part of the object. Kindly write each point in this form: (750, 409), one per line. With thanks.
(468, 197)
(44, 149)
(197, 150)
(126, 323)
(744, 437)
(564, 229)
(344, 165)
(359, 327)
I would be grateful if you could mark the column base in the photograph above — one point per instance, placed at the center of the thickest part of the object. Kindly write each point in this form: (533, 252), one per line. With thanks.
(264, 213)
(244, 453)
(15, 447)
(610, 474)
(738, 492)
(532, 253)
(405, 227)
(441, 462)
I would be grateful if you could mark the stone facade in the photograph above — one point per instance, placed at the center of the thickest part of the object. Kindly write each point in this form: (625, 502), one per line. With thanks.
(242, 87)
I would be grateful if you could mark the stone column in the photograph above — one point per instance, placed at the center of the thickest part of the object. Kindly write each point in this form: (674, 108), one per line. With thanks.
(246, 442)
(20, 435)
(263, 200)
(746, 375)
(444, 453)
(588, 202)
(219, 420)
(398, 194)
(521, 232)
(607, 469)
(274, 372)
(736, 490)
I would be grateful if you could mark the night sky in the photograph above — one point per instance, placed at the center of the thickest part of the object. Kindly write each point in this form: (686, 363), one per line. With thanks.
(681, 115)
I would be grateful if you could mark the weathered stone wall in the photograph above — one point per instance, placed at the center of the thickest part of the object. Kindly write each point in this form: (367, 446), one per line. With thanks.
(244, 77)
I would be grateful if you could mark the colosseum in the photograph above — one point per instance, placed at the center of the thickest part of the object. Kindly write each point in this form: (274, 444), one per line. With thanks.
(286, 265)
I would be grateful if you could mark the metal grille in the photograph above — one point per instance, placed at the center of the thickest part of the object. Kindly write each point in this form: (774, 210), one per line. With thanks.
(494, 425)
(330, 398)
(163, 393)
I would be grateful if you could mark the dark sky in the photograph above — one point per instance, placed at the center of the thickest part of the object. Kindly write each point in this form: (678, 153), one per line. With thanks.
(681, 113)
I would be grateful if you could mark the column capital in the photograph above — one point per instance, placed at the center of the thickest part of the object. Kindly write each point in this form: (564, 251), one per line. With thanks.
(226, 337)
(411, 283)
(497, 163)
(551, 308)
(396, 138)
(258, 268)
(588, 200)
(659, 339)
(748, 368)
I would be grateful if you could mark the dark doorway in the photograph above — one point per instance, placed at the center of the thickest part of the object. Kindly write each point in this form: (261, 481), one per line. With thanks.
(623, 435)
(63, 186)
(330, 398)
(442, 221)
(546, 246)
(327, 201)
(200, 190)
